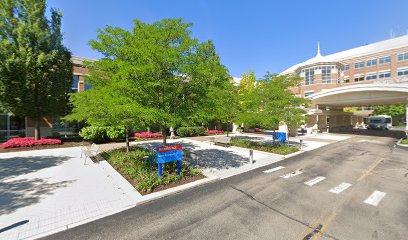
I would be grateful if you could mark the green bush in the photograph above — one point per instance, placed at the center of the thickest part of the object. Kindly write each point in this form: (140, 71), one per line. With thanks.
(277, 148)
(94, 134)
(404, 141)
(102, 134)
(115, 133)
(191, 131)
(142, 172)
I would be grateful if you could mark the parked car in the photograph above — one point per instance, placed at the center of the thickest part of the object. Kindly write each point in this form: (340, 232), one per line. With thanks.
(382, 122)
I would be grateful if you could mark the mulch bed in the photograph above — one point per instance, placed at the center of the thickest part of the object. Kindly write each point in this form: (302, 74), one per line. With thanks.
(43, 147)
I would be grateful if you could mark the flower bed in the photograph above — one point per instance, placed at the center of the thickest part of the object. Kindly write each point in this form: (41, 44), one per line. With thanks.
(147, 135)
(30, 142)
(278, 148)
(215, 132)
(142, 173)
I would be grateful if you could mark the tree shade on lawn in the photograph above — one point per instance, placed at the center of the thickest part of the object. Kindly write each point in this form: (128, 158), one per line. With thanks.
(154, 75)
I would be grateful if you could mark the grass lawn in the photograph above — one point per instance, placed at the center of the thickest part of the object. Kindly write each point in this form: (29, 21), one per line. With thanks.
(278, 148)
(142, 174)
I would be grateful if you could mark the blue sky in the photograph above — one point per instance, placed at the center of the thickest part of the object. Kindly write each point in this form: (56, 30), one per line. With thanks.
(249, 35)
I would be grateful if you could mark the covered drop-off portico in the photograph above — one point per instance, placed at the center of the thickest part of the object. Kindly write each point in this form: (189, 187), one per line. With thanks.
(328, 104)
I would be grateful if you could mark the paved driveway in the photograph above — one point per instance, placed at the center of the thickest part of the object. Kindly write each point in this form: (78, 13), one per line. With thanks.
(48, 190)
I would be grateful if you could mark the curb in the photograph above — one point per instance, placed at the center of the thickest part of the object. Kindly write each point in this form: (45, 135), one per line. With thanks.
(400, 145)
(157, 195)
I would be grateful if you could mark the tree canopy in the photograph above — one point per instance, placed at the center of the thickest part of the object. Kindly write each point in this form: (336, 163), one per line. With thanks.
(268, 101)
(155, 74)
(397, 112)
(35, 67)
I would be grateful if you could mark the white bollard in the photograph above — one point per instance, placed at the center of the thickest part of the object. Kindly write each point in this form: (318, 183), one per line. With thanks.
(251, 156)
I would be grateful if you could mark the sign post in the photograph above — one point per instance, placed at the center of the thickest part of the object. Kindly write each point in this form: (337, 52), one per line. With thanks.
(170, 153)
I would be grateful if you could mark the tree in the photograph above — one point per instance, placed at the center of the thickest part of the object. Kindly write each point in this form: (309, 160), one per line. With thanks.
(154, 75)
(397, 112)
(271, 102)
(35, 67)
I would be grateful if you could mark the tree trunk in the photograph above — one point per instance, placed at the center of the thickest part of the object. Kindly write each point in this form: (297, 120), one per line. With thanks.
(127, 139)
(37, 129)
(227, 128)
(164, 136)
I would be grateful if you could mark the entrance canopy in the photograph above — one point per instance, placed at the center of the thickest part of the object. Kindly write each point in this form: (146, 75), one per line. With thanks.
(362, 95)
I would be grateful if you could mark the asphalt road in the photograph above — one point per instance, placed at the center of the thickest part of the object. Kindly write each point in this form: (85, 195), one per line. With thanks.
(257, 205)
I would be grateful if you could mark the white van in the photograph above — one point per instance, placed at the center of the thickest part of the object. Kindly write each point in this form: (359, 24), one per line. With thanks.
(379, 122)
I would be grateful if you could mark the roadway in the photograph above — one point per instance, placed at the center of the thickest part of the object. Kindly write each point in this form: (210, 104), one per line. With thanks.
(354, 189)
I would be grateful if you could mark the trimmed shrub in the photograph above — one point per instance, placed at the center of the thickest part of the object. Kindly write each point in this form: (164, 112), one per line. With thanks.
(94, 134)
(115, 133)
(29, 142)
(191, 131)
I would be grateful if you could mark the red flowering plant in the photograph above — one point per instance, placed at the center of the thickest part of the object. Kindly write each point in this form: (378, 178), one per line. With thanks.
(30, 141)
(215, 132)
(147, 135)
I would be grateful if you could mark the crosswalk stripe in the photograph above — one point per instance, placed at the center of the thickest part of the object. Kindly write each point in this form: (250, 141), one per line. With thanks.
(273, 169)
(315, 180)
(340, 188)
(292, 174)
(375, 198)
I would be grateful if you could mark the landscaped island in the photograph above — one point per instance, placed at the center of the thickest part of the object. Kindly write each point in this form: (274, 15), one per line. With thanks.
(281, 149)
(140, 169)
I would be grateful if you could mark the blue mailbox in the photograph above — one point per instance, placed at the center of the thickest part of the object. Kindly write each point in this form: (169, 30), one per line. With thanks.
(279, 136)
(169, 153)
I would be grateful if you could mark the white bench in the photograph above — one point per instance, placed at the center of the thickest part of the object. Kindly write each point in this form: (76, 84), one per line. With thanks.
(224, 141)
(93, 151)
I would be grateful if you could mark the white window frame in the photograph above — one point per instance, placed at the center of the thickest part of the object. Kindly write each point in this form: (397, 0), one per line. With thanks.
(327, 77)
(383, 72)
(346, 67)
(371, 74)
(402, 69)
(359, 76)
(404, 58)
(358, 65)
(369, 63)
(379, 60)
(309, 78)
(307, 92)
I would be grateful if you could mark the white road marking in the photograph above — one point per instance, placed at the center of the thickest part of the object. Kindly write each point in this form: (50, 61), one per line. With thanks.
(315, 180)
(340, 188)
(375, 198)
(273, 169)
(292, 174)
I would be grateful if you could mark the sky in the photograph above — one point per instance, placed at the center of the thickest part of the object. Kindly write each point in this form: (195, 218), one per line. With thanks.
(248, 35)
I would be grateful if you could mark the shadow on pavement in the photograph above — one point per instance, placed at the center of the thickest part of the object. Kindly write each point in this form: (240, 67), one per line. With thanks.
(22, 192)
(371, 132)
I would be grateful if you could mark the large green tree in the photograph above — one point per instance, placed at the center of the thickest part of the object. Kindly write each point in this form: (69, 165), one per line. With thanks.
(154, 75)
(397, 112)
(269, 101)
(35, 67)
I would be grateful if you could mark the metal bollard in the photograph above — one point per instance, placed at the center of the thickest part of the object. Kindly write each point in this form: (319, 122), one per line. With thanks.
(301, 143)
(251, 156)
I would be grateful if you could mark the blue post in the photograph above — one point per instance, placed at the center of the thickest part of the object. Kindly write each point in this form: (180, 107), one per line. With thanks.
(178, 167)
(160, 170)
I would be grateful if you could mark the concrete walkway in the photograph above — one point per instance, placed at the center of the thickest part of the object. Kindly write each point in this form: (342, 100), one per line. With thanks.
(51, 190)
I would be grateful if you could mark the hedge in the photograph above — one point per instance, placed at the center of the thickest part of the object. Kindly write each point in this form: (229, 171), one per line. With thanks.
(191, 131)
(102, 134)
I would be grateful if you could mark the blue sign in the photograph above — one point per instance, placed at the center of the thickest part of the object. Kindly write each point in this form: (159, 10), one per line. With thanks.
(279, 136)
(167, 154)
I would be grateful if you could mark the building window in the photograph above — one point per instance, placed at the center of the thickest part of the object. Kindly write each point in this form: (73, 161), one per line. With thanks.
(346, 67)
(346, 79)
(309, 76)
(358, 78)
(385, 74)
(74, 84)
(384, 60)
(371, 76)
(358, 65)
(372, 62)
(326, 74)
(402, 71)
(308, 93)
(402, 56)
